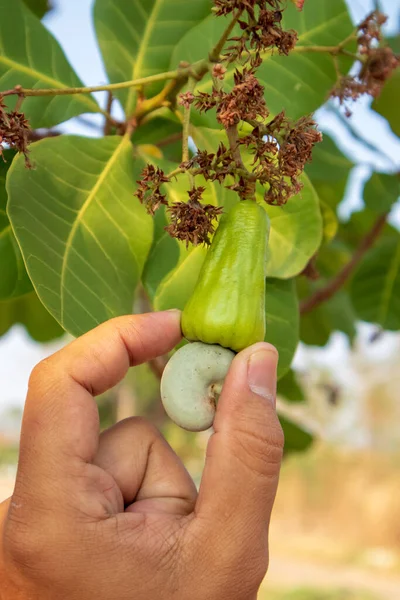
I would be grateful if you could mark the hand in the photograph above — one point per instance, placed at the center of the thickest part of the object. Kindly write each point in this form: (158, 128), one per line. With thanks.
(116, 516)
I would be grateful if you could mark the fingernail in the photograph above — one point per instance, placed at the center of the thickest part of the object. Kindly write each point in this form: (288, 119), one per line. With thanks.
(173, 310)
(261, 374)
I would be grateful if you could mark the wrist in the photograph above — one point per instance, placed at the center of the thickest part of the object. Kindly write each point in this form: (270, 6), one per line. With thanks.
(9, 589)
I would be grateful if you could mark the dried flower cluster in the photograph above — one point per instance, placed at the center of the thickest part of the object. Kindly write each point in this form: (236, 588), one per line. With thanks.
(14, 131)
(377, 62)
(279, 148)
(245, 101)
(149, 190)
(192, 221)
(261, 26)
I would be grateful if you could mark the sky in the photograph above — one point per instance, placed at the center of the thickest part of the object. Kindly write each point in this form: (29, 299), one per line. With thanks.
(71, 23)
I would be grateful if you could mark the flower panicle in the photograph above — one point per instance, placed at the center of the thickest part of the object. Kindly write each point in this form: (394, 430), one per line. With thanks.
(14, 131)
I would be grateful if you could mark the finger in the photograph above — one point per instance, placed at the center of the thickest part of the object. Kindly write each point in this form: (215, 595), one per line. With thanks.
(149, 474)
(61, 420)
(244, 454)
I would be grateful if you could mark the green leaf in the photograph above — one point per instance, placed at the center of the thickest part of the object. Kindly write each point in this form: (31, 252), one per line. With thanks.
(289, 388)
(328, 162)
(381, 191)
(330, 222)
(166, 134)
(14, 280)
(387, 103)
(360, 223)
(335, 314)
(296, 439)
(282, 320)
(176, 288)
(375, 287)
(296, 233)
(137, 38)
(83, 235)
(38, 7)
(30, 312)
(331, 193)
(329, 172)
(31, 57)
(298, 83)
(163, 256)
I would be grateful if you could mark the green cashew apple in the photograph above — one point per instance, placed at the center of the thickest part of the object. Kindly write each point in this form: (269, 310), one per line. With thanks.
(227, 306)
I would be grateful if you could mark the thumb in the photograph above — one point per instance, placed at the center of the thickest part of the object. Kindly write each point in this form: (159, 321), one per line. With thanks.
(244, 454)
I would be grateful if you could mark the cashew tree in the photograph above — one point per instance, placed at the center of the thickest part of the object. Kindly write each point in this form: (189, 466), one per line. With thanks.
(216, 193)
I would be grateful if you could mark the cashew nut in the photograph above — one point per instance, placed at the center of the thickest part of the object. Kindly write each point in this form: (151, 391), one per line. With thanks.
(192, 382)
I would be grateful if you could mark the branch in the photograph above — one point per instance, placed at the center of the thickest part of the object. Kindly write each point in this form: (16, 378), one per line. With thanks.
(325, 293)
(96, 88)
(216, 51)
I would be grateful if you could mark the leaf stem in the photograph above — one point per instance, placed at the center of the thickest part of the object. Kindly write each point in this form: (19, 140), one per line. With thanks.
(325, 293)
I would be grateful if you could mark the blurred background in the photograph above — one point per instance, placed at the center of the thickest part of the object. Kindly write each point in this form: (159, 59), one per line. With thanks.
(335, 532)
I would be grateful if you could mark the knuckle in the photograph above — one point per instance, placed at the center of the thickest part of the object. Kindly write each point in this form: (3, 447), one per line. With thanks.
(40, 373)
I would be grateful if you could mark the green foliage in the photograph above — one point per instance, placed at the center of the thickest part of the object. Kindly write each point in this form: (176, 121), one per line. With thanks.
(14, 279)
(72, 230)
(31, 57)
(387, 103)
(381, 192)
(296, 439)
(84, 237)
(282, 320)
(296, 228)
(289, 388)
(137, 38)
(39, 7)
(297, 83)
(29, 312)
(376, 285)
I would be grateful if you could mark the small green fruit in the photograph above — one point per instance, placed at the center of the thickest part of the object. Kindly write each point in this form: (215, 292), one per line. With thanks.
(227, 306)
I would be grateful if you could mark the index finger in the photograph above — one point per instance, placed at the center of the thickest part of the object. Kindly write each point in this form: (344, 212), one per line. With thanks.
(60, 415)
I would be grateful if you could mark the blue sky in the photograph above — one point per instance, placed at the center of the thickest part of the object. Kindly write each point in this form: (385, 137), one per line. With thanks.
(71, 23)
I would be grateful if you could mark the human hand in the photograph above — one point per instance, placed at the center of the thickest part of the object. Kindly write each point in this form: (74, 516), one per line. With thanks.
(116, 516)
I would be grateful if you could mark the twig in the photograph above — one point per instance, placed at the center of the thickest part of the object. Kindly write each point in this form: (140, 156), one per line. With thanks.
(214, 55)
(325, 293)
(233, 139)
(96, 88)
(36, 136)
(170, 139)
(108, 124)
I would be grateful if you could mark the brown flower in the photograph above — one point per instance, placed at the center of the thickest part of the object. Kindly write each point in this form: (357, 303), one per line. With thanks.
(149, 188)
(185, 99)
(193, 222)
(219, 71)
(14, 131)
